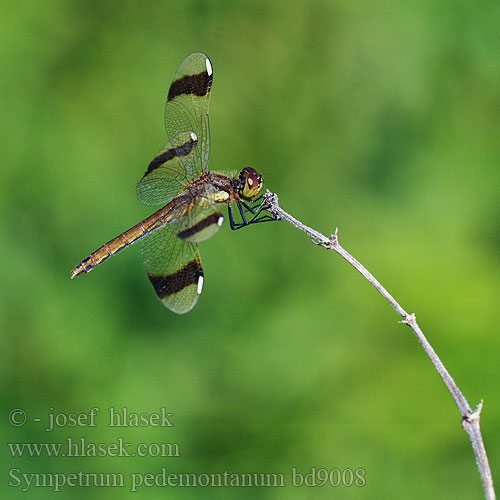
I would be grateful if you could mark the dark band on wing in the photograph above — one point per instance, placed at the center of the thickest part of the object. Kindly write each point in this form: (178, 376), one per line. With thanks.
(174, 283)
(200, 226)
(182, 150)
(198, 85)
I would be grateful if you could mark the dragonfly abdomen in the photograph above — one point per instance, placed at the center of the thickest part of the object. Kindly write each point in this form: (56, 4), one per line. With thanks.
(163, 216)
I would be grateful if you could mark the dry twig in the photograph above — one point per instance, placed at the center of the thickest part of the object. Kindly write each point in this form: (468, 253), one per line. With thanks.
(470, 418)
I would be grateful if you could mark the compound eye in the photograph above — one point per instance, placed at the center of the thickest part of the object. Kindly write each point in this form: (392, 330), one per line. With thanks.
(252, 185)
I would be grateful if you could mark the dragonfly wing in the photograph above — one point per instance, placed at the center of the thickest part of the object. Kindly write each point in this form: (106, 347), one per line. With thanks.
(201, 223)
(174, 269)
(187, 108)
(166, 175)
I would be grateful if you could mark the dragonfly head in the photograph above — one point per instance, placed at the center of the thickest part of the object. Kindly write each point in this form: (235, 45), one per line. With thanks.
(249, 183)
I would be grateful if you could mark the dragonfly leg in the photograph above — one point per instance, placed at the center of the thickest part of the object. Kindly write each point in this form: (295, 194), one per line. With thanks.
(235, 225)
(242, 204)
(231, 218)
(257, 216)
(249, 208)
(263, 218)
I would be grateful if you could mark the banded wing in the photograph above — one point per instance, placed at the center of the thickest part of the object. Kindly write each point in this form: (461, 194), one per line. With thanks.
(199, 225)
(174, 269)
(166, 175)
(187, 106)
(172, 260)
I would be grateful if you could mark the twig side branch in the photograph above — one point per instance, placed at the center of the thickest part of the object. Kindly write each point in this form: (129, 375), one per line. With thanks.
(470, 418)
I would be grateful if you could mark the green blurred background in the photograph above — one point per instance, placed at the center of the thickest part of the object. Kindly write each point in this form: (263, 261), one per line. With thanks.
(380, 118)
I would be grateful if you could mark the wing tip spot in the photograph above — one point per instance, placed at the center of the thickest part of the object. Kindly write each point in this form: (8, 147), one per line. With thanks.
(208, 64)
(200, 285)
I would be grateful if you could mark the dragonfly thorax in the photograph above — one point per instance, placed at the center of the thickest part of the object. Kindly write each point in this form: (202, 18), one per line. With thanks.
(249, 183)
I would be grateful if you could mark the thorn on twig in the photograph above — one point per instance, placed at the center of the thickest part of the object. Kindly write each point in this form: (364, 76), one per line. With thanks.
(409, 319)
(334, 238)
(325, 243)
(474, 416)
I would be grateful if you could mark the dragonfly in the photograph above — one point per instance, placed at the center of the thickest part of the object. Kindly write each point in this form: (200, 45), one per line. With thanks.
(178, 178)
